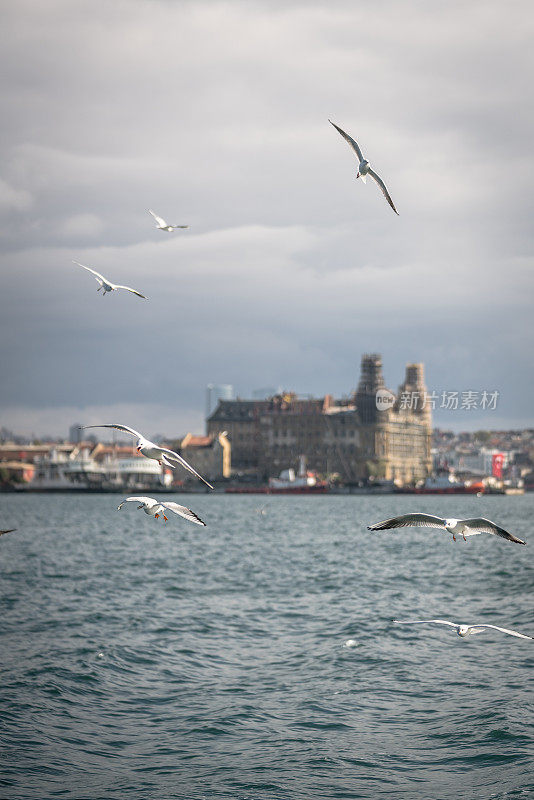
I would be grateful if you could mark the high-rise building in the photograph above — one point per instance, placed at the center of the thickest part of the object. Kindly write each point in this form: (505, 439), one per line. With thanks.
(216, 392)
(75, 433)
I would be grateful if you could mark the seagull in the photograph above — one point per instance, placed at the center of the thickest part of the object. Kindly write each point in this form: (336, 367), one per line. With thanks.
(9, 530)
(462, 630)
(161, 225)
(150, 450)
(364, 168)
(155, 508)
(464, 527)
(106, 285)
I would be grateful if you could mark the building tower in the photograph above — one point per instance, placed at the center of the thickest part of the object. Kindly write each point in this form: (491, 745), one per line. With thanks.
(413, 393)
(371, 381)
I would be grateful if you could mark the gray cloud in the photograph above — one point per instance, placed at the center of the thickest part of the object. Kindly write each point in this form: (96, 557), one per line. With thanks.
(215, 115)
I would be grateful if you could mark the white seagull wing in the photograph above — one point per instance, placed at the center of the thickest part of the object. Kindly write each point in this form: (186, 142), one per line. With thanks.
(146, 501)
(479, 628)
(97, 274)
(178, 226)
(483, 525)
(124, 428)
(159, 220)
(184, 512)
(382, 185)
(167, 463)
(355, 146)
(129, 289)
(409, 521)
(172, 456)
(425, 622)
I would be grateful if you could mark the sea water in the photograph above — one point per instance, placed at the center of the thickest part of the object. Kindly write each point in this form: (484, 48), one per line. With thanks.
(256, 658)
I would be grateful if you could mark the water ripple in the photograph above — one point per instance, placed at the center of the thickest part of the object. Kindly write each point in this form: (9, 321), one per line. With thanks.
(172, 664)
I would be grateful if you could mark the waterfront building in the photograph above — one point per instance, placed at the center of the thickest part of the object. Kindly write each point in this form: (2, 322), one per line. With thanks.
(60, 467)
(373, 434)
(210, 455)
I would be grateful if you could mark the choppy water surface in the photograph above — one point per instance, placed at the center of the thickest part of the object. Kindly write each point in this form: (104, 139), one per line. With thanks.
(149, 661)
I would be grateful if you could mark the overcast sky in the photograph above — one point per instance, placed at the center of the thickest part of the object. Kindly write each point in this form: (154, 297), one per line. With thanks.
(215, 114)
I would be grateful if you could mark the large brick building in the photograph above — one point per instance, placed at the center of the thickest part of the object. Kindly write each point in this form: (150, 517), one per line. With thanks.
(355, 437)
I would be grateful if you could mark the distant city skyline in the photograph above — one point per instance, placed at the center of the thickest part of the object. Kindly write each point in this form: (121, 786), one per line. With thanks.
(166, 420)
(290, 268)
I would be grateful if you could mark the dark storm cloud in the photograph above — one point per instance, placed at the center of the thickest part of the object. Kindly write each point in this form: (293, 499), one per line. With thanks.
(215, 114)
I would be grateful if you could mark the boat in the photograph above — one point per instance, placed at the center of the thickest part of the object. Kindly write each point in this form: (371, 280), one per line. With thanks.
(445, 483)
(303, 482)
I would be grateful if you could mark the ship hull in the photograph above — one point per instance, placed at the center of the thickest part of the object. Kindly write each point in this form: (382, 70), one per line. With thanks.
(317, 489)
(474, 489)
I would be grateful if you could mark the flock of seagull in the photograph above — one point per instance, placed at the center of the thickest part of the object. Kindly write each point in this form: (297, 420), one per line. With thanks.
(157, 508)
(364, 170)
(463, 527)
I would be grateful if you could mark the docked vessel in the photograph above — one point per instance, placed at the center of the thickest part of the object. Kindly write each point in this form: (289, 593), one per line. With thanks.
(289, 482)
(304, 482)
(119, 474)
(105, 469)
(445, 483)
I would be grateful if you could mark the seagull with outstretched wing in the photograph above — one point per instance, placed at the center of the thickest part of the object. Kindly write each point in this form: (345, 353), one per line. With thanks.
(106, 284)
(364, 167)
(462, 527)
(462, 630)
(156, 508)
(161, 225)
(8, 530)
(150, 450)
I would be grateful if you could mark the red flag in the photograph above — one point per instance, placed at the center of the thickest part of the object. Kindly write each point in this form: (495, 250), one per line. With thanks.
(497, 462)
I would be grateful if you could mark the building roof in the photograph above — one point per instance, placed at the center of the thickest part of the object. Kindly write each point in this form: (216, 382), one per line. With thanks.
(242, 410)
(238, 410)
(190, 440)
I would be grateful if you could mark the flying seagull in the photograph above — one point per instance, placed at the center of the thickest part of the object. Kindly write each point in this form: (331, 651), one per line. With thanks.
(106, 285)
(461, 630)
(9, 530)
(150, 450)
(155, 508)
(161, 225)
(463, 527)
(364, 167)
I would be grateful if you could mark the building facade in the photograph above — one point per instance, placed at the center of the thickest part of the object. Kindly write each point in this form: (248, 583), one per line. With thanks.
(373, 434)
(210, 455)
